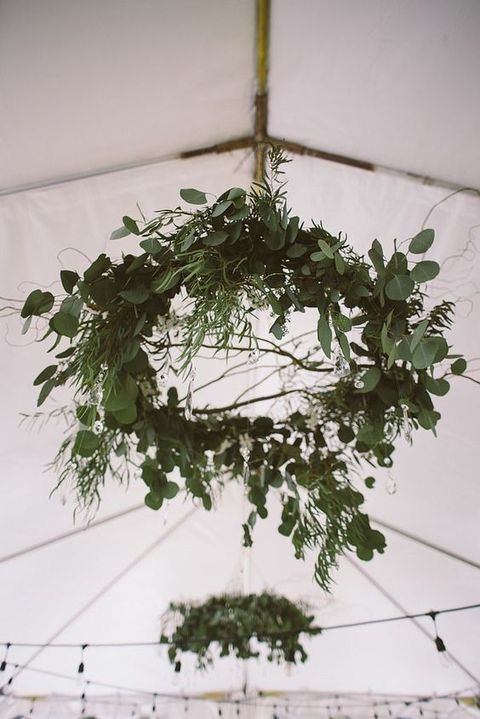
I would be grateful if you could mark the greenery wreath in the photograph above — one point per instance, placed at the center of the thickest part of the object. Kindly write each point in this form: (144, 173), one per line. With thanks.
(200, 281)
(231, 621)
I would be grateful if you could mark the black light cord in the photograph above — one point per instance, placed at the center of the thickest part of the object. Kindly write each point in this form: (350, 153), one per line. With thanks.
(144, 696)
(312, 630)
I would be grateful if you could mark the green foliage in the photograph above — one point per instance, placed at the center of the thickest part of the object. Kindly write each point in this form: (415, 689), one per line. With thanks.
(221, 263)
(237, 624)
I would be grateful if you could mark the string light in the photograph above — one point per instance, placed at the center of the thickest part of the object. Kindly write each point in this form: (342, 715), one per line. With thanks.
(83, 703)
(439, 643)
(3, 665)
(81, 666)
(154, 704)
(317, 630)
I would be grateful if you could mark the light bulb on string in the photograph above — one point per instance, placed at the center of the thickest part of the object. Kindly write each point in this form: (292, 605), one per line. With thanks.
(32, 707)
(154, 705)
(185, 708)
(3, 665)
(81, 666)
(439, 643)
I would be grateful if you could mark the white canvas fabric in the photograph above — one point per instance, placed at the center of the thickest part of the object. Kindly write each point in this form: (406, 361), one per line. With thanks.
(112, 582)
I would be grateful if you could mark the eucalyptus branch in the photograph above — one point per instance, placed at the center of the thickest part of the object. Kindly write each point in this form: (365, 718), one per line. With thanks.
(237, 405)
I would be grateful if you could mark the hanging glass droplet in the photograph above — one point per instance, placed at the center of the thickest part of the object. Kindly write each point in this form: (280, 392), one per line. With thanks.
(389, 431)
(245, 452)
(189, 398)
(341, 368)
(162, 379)
(406, 424)
(391, 485)
(95, 394)
(253, 356)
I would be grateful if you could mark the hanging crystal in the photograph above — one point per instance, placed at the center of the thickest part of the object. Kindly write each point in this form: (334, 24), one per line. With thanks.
(96, 391)
(189, 398)
(406, 424)
(162, 379)
(391, 485)
(245, 452)
(341, 368)
(358, 383)
(253, 356)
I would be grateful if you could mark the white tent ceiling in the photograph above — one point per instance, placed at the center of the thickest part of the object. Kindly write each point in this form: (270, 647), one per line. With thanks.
(90, 86)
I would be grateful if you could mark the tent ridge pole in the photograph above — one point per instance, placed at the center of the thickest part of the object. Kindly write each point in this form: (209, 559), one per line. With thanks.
(425, 543)
(261, 96)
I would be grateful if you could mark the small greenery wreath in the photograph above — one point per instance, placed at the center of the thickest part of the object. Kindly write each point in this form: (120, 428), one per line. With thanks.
(231, 621)
(200, 281)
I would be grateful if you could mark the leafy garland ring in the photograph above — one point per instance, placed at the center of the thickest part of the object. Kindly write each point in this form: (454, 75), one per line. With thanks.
(382, 362)
(231, 621)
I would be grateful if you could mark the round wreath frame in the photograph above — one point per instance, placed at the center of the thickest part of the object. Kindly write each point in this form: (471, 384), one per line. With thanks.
(384, 348)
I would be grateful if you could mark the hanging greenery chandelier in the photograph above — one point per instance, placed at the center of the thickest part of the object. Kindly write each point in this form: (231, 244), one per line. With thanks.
(237, 625)
(202, 278)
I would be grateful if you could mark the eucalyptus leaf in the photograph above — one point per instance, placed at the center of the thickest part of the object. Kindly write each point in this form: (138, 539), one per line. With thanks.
(422, 242)
(220, 208)
(45, 374)
(326, 249)
(45, 391)
(69, 280)
(123, 394)
(130, 225)
(86, 442)
(296, 250)
(417, 335)
(425, 271)
(151, 245)
(37, 303)
(64, 324)
(324, 334)
(215, 239)
(137, 295)
(439, 386)
(399, 287)
(459, 366)
(193, 197)
(119, 233)
(370, 379)
(424, 354)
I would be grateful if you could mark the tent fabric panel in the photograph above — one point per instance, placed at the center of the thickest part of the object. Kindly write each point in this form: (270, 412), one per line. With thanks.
(94, 85)
(392, 83)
